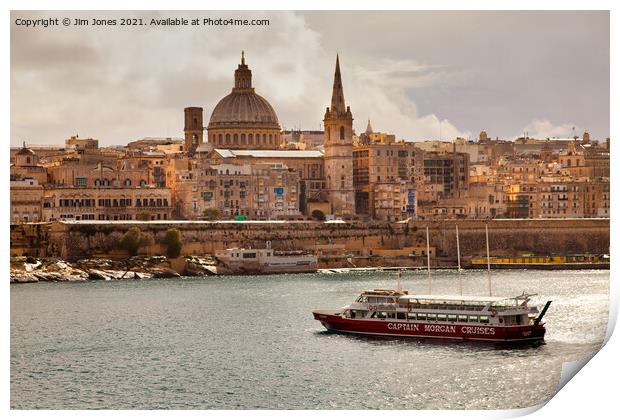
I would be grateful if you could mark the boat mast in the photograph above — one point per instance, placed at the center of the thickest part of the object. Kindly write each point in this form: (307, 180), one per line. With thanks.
(486, 228)
(458, 256)
(428, 262)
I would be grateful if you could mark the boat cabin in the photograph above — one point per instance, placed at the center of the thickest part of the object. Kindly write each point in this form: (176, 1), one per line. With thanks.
(399, 305)
(242, 254)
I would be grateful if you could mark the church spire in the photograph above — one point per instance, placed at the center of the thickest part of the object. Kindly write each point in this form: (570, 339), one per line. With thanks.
(242, 58)
(369, 128)
(337, 92)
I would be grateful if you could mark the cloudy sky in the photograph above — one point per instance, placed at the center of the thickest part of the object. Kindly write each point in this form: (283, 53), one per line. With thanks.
(414, 74)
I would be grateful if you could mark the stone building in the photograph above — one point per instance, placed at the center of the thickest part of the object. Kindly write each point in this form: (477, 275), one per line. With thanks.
(26, 165)
(597, 198)
(259, 191)
(561, 197)
(450, 170)
(99, 203)
(26, 195)
(385, 168)
(82, 145)
(73, 172)
(307, 164)
(522, 200)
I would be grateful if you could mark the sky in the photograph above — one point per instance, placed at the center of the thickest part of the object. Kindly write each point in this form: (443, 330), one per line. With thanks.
(420, 75)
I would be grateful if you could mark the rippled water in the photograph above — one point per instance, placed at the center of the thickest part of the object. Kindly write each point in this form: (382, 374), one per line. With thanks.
(250, 342)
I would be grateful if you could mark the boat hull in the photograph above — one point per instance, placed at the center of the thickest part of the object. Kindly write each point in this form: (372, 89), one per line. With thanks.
(332, 321)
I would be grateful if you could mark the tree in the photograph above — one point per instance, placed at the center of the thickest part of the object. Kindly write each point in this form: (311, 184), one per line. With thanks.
(172, 241)
(318, 215)
(144, 215)
(212, 213)
(133, 239)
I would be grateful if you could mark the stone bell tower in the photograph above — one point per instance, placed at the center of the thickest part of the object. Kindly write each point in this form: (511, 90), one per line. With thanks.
(193, 129)
(338, 143)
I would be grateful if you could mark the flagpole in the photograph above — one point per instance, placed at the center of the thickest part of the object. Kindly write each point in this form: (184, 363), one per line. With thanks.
(428, 262)
(458, 256)
(486, 228)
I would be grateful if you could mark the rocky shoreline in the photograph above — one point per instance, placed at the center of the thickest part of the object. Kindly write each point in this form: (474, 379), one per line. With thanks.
(34, 270)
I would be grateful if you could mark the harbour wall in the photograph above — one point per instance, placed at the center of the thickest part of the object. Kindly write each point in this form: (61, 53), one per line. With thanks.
(77, 240)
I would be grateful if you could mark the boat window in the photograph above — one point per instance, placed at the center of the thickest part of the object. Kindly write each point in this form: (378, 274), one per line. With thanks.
(411, 315)
(462, 318)
(421, 317)
(362, 299)
(391, 314)
(473, 318)
(381, 315)
(373, 315)
(432, 317)
(484, 319)
(441, 317)
(452, 318)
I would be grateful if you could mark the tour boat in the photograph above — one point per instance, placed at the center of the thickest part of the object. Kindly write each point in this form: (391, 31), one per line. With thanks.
(396, 313)
(266, 261)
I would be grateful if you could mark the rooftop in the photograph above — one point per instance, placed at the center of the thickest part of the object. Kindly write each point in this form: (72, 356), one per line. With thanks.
(230, 153)
(457, 298)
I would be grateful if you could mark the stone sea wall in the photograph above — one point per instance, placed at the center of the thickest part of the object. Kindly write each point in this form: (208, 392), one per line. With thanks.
(76, 240)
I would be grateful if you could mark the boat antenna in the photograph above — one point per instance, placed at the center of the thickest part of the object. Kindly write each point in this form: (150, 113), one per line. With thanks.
(428, 263)
(486, 229)
(458, 258)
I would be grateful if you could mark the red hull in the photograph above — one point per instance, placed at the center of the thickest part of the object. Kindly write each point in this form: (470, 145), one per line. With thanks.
(457, 331)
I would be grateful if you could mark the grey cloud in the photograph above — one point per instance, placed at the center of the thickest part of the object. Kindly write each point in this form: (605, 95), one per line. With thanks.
(501, 71)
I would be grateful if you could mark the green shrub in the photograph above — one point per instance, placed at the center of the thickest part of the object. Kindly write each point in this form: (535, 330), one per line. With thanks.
(318, 215)
(133, 240)
(173, 243)
(211, 213)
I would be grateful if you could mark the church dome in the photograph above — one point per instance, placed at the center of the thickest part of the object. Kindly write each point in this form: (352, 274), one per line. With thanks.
(24, 151)
(243, 108)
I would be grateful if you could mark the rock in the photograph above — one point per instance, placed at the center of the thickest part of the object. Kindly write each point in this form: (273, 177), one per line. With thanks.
(49, 276)
(22, 277)
(98, 275)
(164, 273)
(31, 267)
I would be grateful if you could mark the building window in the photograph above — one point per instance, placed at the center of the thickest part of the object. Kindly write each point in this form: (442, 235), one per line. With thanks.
(142, 183)
(128, 182)
(219, 139)
(227, 138)
(250, 139)
(236, 139)
(243, 139)
(341, 133)
(80, 181)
